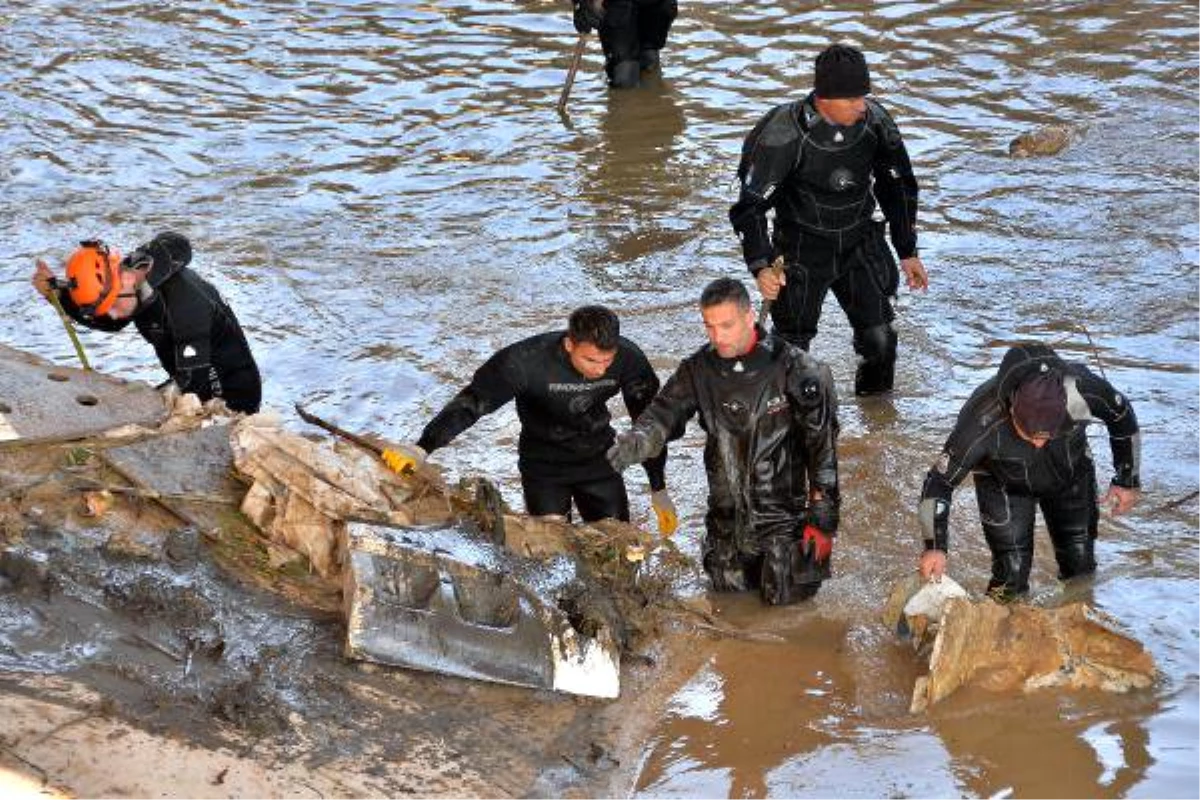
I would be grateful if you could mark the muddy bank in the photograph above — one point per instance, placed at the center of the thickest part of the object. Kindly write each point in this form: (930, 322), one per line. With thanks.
(132, 629)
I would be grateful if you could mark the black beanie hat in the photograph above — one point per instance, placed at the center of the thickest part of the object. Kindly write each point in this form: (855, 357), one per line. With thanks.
(841, 71)
(1039, 405)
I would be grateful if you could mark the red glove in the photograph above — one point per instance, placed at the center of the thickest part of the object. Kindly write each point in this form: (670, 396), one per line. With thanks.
(817, 542)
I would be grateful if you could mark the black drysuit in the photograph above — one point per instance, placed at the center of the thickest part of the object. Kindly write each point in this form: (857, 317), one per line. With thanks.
(565, 424)
(822, 181)
(194, 332)
(1012, 476)
(771, 422)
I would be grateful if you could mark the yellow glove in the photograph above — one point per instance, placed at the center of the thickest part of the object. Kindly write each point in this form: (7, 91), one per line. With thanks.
(403, 459)
(664, 509)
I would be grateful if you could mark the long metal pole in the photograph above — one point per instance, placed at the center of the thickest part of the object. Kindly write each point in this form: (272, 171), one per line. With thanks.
(313, 419)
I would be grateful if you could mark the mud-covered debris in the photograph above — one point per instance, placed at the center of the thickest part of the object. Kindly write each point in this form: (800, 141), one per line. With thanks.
(251, 705)
(913, 610)
(1021, 647)
(182, 546)
(1047, 140)
(28, 569)
(302, 491)
(44, 402)
(96, 503)
(592, 610)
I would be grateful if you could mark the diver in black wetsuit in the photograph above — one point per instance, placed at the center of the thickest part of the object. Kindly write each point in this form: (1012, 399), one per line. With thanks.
(822, 163)
(562, 382)
(1022, 435)
(194, 332)
(770, 415)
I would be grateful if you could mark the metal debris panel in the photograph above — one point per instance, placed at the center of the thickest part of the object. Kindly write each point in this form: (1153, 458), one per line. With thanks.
(42, 402)
(196, 463)
(415, 599)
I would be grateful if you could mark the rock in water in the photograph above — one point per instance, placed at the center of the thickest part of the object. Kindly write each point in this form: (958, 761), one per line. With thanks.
(1047, 140)
(1007, 647)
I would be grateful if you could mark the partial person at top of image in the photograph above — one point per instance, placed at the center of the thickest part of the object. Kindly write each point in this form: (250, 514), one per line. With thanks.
(632, 32)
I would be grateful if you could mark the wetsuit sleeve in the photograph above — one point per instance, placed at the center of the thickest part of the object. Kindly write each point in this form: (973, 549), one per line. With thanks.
(966, 447)
(107, 324)
(1091, 397)
(814, 416)
(814, 412)
(494, 384)
(895, 185)
(667, 415)
(638, 387)
(769, 154)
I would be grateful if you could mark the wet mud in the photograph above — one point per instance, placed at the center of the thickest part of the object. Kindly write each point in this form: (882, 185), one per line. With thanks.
(177, 645)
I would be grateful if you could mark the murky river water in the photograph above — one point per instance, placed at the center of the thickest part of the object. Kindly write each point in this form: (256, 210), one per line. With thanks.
(385, 194)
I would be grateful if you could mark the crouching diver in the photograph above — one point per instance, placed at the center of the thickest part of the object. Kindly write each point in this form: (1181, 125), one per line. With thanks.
(194, 332)
(1022, 434)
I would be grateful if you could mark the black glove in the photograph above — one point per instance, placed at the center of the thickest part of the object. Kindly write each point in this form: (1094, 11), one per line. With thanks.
(588, 15)
(626, 451)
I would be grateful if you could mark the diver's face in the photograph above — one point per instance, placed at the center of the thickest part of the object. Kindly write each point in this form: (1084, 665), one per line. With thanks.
(844, 111)
(1038, 440)
(730, 328)
(588, 360)
(127, 301)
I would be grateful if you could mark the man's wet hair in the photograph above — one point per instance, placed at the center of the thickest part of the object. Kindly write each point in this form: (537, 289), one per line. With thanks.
(725, 290)
(594, 325)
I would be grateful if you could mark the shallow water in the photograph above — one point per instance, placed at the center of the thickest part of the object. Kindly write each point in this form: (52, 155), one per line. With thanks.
(385, 194)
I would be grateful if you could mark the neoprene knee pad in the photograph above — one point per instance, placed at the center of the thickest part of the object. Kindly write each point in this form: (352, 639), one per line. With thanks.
(1075, 561)
(788, 576)
(876, 372)
(724, 568)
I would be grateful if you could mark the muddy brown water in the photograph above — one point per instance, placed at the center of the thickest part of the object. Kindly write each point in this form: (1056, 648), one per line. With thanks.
(386, 195)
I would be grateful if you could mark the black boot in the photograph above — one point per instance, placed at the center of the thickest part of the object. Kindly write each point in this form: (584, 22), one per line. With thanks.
(625, 75)
(648, 59)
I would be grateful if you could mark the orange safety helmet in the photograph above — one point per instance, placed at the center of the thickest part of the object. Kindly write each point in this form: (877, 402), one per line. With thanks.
(94, 277)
